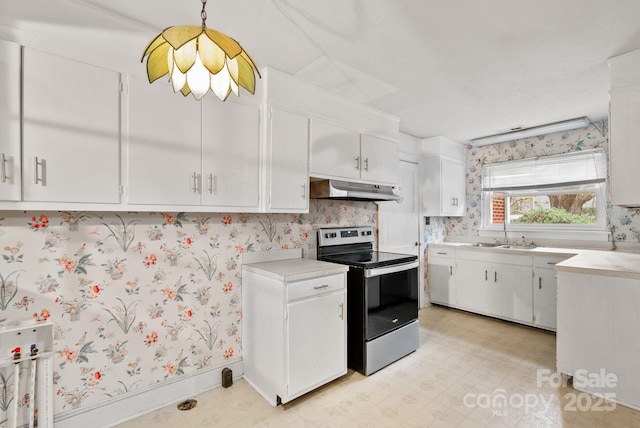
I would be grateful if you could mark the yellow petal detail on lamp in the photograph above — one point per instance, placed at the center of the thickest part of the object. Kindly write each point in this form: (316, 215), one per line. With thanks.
(226, 43)
(197, 59)
(181, 34)
(157, 65)
(211, 54)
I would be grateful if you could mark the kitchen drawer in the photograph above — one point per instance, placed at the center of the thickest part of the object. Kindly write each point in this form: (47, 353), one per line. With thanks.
(442, 251)
(548, 262)
(312, 287)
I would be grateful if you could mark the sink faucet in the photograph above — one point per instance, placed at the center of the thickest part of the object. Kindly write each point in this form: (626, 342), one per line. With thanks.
(504, 227)
(523, 244)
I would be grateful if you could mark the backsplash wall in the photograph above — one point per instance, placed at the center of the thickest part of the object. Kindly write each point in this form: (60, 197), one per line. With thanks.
(137, 298)
(624, 222)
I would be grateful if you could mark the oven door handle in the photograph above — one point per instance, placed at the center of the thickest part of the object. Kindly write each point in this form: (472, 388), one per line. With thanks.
(369, 273)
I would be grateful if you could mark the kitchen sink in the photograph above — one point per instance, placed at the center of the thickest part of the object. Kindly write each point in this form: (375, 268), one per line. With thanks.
(518, 247)
(485, 244)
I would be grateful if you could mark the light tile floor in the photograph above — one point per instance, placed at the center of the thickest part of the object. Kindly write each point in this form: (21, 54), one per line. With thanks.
(464, 364)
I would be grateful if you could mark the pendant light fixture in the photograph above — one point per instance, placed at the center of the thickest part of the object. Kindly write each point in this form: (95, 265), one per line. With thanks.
(198, 58)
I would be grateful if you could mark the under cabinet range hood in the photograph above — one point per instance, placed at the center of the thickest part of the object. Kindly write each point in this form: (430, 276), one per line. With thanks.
(336, 189)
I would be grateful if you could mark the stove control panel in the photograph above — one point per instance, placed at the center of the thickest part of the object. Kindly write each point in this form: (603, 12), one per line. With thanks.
(345, 235)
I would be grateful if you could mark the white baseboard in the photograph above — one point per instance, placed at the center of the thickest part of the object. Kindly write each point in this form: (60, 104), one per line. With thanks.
(137, 403)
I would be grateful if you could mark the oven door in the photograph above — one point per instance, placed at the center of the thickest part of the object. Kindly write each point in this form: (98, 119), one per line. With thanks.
(391, 297)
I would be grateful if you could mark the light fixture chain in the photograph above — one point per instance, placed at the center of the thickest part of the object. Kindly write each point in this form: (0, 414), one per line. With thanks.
(203, 14)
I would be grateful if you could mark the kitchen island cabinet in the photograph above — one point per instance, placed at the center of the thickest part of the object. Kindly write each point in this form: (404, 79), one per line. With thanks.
(294, 326)
(597, 335)
(71, 130)
(10, 160)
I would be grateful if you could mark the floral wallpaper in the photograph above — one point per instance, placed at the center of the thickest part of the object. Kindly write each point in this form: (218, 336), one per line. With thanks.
(138, 298)
(624, 222)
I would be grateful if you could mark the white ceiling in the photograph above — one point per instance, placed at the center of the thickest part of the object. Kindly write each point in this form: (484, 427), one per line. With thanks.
(458, 68)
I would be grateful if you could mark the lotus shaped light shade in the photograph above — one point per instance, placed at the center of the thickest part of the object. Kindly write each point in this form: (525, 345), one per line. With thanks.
(197, 59)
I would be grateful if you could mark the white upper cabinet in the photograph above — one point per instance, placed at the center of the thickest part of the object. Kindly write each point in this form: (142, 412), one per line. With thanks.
(71, 130)
(164, 149)
(443, 178)
(230, 154)
(10, 163)
(379, 160)
(335, 151)
(624, 126)
(288, 162)
(341, 153)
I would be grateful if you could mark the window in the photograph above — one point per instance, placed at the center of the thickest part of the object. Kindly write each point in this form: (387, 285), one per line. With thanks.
(547, 193)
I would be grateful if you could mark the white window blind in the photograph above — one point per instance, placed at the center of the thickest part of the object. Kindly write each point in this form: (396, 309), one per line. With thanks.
(570, 169)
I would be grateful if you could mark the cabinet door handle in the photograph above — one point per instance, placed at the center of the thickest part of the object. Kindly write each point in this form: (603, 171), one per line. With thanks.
(195, 183)
(486, 275)
(213, 184)
(3, 168)
(495, 276)
(450, 270)
(36, 176)
(320, 287)
(304, 191)
(358, 162)
(539, 283)
(366, 164)
(342, 311)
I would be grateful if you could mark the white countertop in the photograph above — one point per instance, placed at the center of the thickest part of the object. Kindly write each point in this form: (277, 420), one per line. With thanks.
(606, 263)
(594, 262)
(291, 270)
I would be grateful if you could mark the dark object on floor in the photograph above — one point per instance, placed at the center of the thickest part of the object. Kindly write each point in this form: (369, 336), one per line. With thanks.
(227, 377)
(188, 404)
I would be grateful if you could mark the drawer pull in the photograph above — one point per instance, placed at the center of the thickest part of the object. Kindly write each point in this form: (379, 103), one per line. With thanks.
(320, 287)
(552, 263)
(443, 254)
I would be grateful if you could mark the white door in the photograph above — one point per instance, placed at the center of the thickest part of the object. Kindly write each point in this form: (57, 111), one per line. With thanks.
(164, 145)
(316, 348)
(399, 222)
(71, 130)
(545, 297)
(335, 151)
(288, 162)
(379, 162)
(453, 187)
(512, 296)
(10, 161)
(230, 154)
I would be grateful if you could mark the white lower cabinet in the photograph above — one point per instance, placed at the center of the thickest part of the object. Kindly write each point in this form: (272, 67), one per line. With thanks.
(545, 291)
(294, 332)
(511, 286)
(442, 276)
